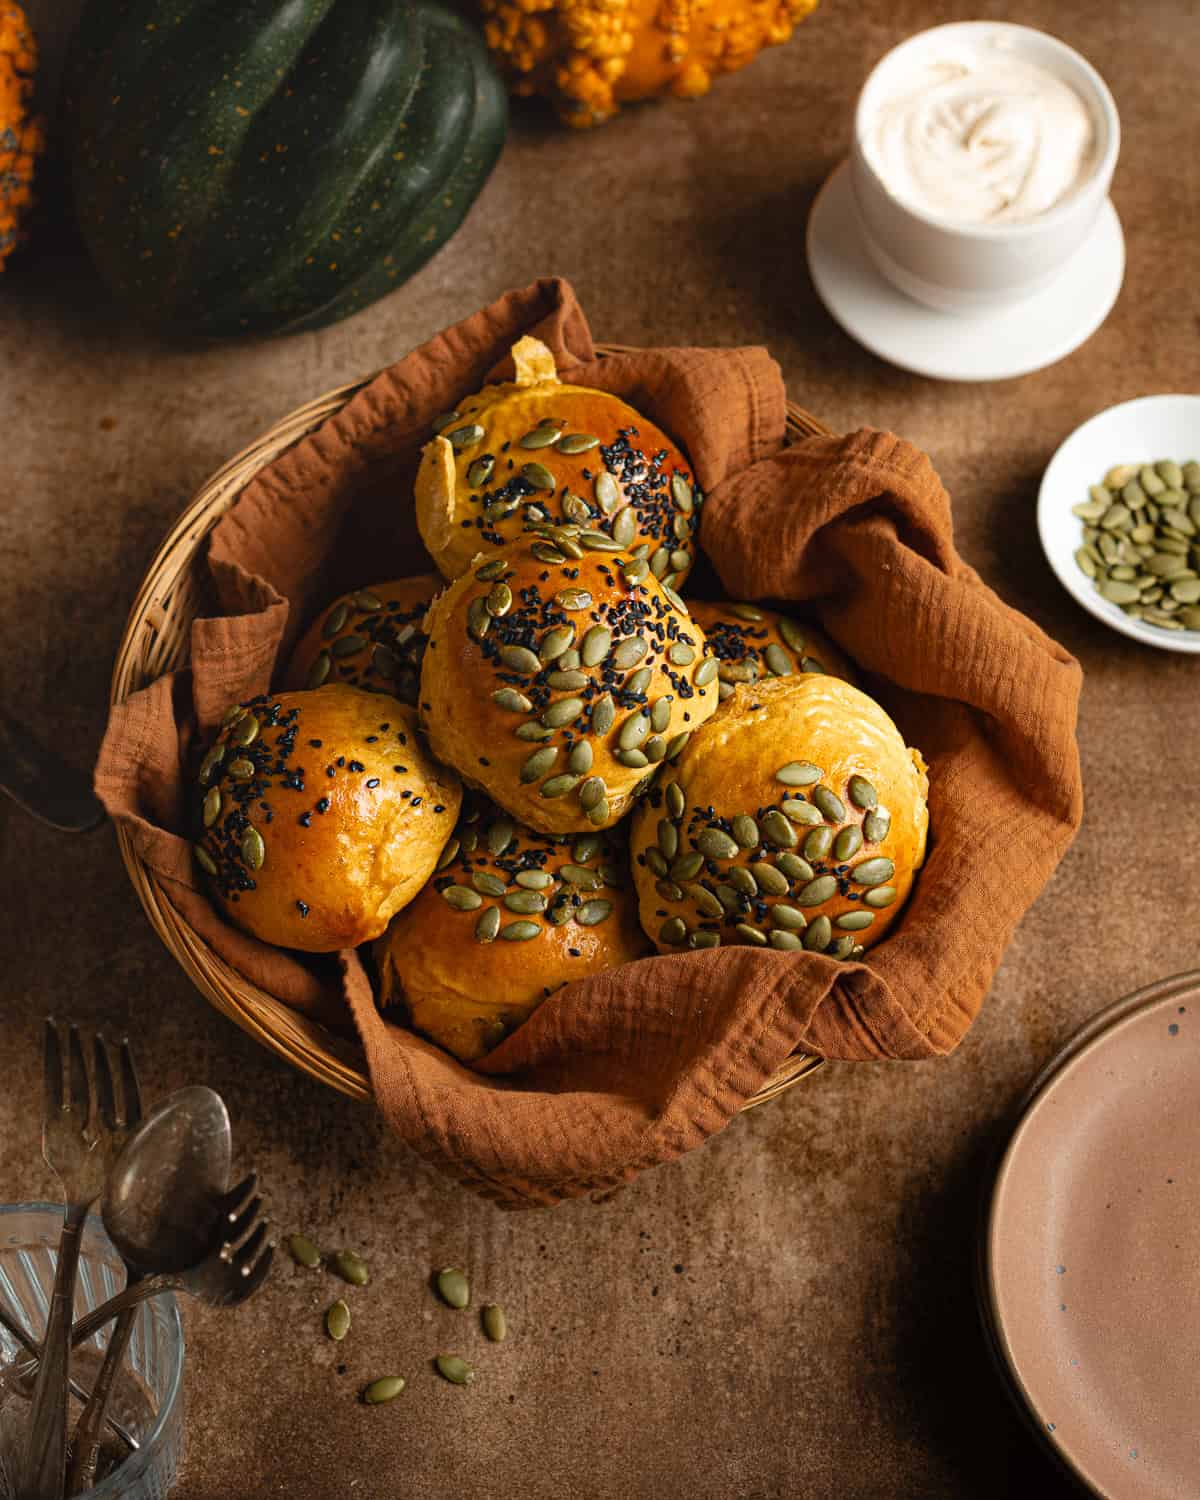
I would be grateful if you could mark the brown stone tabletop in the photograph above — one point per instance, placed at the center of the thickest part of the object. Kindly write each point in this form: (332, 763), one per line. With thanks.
(788, 1311)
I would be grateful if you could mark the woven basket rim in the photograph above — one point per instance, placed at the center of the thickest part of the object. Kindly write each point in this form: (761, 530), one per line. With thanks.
(156, 640)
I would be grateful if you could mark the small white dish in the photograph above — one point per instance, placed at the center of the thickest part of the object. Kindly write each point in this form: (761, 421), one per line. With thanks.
(1140, 431)
(998, 345)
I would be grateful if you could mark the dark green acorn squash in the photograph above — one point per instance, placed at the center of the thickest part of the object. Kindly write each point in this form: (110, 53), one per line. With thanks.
(264, 166)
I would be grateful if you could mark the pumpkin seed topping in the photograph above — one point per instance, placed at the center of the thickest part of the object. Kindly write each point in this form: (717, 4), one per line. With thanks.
(538, 476)
(628, 652)
(564, 711)
(479, 619)
(705, 902)
(880, 896)
(254, 851)
(790, 917)
(591, 792)
(847, 843)
(747, 612)
(520, 659)
(337, 1320)
(204, 859)
(818, 935)
(576, 442)
(320, 669)
(777, 660)
(510, 699)
(539, 763)
(817, 891)
(706, 671)
(667, 838)
(499, 600)
(465, 437)
(560, 785)
(792, 633)
(211, 808)
(520, 932)
(454, 1368)
(607, 492)
(798, 811)
(625, 526)
(771, 880)
(681, 493)
(573, 599)
(687, 866)
(488, 925)
(862, 793)
(714, 843)
(481, 471)
(241, 769)
(595, 645)
(855, 921)
(741, 880)
(556, 641)
(635, 760)
(673, 932)
(876, 825)
(385, 1389)
(830, 803)
(604, 713)
(676, 804)
(786, 942)
(633, 730)
(639, 681)
(462, 898)
(751, 935)
(777, 829)
(794, 867)
(579, 762)
(818, 844)
(592, 913)
(873, 871)
(542, 436)
(745, 831)
(799, 773)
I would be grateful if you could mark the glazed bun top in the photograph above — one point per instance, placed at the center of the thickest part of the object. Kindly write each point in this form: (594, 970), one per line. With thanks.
(509, 917)
(558, 675)
(370, 638)
(319, 815)
(752, 642)
(537, 450)
(796, 818)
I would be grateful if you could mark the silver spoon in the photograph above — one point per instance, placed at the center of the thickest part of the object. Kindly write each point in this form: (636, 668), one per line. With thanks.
(162, 1207)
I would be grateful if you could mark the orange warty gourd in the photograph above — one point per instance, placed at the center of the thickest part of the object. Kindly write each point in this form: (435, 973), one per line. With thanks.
(22, 139)
(590, 56)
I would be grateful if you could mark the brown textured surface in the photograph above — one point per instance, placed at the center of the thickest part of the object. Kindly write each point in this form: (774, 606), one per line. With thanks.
(819, 1338)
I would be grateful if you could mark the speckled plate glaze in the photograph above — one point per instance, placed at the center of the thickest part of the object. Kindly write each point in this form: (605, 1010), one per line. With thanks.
(1091, 1257)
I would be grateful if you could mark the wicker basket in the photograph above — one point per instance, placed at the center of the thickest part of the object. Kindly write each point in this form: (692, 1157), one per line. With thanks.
(156, 640)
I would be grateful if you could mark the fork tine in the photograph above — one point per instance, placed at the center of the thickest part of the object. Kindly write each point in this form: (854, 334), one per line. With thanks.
(130, 1087)
(245, 1257)
(81, 1082)
(106, 1097)
(254, 1276)
(52, 1068)
(232, 1202)
(239, 1226)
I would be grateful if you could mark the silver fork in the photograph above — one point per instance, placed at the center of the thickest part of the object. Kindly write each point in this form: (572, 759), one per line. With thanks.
(123, 1111)
(79, 1147)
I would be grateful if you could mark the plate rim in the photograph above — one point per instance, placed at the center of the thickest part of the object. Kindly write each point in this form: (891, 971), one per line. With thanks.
(1087, 598)
(1095, 1030)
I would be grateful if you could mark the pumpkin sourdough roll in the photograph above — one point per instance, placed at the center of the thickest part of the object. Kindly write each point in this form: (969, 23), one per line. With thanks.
(751, 643)
(371, 638)
(320, 815)
(509, 917)
(558, 675)
(534, 451)
(796, 818)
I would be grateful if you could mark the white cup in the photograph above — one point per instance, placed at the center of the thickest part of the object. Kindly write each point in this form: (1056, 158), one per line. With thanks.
(972, 267)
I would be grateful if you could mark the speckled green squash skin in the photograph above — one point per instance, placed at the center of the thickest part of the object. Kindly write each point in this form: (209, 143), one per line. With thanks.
(266, 166)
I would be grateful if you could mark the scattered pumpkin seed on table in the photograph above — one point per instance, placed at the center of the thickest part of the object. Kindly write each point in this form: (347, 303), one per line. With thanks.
(303, 1251)
(453, 1287)
(385, 1389)
(454, 1368)
(337, 1321)
(495, 1324)
(351, 1267)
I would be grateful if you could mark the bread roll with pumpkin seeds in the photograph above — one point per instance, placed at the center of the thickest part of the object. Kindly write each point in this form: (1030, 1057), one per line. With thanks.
(752, 643)
(795, 818)
(558, 675)
(371, 638)
(510, 916)
(320, 814)
(535, 450)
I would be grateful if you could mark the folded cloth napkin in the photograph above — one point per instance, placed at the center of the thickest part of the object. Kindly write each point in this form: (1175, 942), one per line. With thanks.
(617, 1073)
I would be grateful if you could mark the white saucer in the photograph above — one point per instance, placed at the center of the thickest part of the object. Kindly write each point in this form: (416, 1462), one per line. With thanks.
(958, 346)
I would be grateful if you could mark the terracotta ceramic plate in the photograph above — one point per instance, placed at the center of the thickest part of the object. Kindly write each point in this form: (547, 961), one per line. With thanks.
(1091, 1271)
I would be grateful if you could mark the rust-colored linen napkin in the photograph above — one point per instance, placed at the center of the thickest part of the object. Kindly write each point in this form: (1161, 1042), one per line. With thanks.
(618, 1073)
